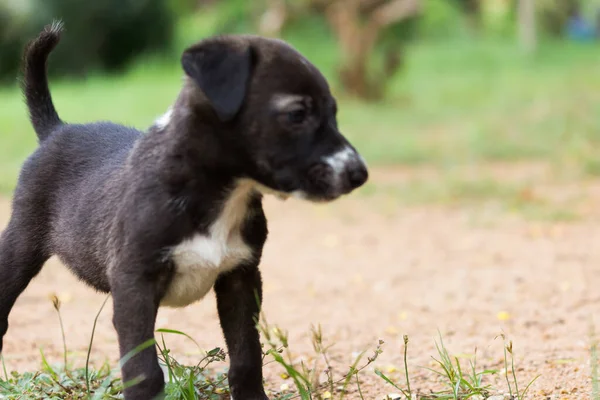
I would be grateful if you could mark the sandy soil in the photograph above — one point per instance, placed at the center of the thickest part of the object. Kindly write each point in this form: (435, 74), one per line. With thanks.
(370, 268)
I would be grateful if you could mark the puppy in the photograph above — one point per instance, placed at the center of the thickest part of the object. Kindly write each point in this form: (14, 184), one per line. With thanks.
(158, 218)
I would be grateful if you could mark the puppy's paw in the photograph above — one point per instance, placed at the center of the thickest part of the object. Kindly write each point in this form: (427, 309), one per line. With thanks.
(261, 397)
(246, 395)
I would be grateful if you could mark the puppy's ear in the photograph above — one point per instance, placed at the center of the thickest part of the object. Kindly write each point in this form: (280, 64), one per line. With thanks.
(222, 71)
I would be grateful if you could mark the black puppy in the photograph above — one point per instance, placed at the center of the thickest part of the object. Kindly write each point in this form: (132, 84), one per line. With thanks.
(158, 218)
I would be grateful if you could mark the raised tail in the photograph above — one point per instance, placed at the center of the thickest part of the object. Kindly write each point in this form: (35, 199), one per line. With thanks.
(42, 113)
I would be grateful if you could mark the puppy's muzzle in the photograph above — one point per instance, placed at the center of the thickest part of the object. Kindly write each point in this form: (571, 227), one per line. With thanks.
(338, 174)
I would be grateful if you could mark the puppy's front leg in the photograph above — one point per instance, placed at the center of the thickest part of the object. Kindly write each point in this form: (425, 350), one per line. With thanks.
(136, 297)
(237, 306)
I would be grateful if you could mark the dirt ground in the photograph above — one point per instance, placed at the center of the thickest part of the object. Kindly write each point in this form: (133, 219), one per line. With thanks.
(369, 268)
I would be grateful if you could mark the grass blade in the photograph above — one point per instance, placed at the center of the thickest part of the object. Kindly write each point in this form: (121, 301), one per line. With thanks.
(506, 368)
(358, 386)
(139, 348)
(350, 373)
(527, 387)
(406, 366)
(380, 374)
(175, 332)
(512, 367)
(594, 365)
(4, 367)
(385, 378)
(89, 352)
(46, 366)
(56, 303)
(299, 380)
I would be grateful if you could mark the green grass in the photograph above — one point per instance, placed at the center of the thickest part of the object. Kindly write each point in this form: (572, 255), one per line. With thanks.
(200, 381)
(459, 384)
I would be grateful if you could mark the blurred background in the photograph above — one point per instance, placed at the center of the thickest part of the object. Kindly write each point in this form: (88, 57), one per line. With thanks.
(441, 83)
(465, 110)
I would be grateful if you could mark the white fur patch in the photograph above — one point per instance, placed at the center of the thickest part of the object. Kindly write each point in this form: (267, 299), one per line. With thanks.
(338, 161)
(200, 259)
(283, 101)
(164, 120)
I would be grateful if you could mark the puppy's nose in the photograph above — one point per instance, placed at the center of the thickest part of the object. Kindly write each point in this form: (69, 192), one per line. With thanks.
(357, 174)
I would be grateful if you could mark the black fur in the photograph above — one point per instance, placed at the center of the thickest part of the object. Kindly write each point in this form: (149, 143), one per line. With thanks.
(112, 202)
(221, 75)
(35, 84)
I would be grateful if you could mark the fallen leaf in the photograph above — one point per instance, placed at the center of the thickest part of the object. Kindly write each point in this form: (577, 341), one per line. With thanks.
(503, 316)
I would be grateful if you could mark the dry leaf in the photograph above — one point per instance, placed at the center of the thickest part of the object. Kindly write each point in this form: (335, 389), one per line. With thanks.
(503, 316)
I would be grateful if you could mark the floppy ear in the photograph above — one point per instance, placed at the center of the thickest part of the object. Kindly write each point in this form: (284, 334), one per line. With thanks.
(221, 70)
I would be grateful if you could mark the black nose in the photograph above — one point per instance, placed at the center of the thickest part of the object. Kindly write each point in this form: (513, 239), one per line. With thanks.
(357, 175)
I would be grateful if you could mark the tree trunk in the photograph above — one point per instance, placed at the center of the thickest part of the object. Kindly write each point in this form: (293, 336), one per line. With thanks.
(527, 25)
(473, 11)
(358, 40)
(273, 19)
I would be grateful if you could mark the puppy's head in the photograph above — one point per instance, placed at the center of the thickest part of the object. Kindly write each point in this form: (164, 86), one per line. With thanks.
(277, 115)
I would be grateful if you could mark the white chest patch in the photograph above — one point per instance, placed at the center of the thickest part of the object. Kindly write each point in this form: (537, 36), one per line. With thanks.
(200, 259)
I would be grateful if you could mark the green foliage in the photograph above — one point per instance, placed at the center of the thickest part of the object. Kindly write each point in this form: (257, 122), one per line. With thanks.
(197, 382)
(312, 36)
(460, 384)
(14, 27)
(406, 392)
(441, 19)
(513, 388)
(49, 383)
(101, 35)
(306, 377)
(554, 14)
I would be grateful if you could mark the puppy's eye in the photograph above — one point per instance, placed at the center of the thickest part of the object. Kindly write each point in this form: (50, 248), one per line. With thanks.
(297, 116)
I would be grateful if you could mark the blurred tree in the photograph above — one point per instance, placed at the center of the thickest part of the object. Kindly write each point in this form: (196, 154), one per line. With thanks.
(443, 19)
(183, 7)
(527, 25)
(100, 35)
(499, 17)
(554, 14)
(274, 18)
(107, 34)
(359, 26)
(14, 27)
(472, 10)
(278, 14)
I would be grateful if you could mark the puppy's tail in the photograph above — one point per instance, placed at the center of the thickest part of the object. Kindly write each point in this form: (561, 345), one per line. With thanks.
(42, 113)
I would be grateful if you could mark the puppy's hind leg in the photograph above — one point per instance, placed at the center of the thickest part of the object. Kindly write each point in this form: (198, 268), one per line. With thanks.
(21, 258)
